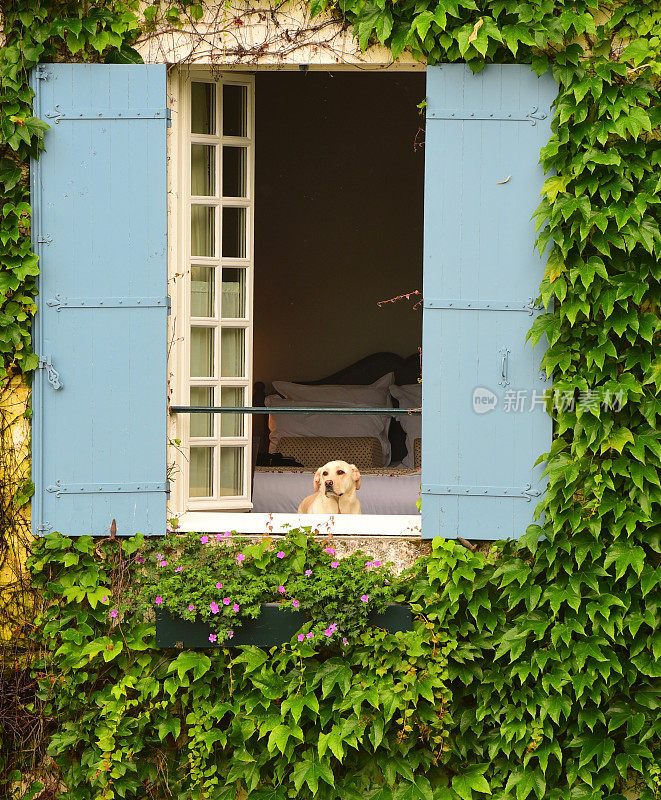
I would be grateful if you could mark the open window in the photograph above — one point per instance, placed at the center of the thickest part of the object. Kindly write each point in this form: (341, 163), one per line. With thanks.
(285, 206)
(300, 212)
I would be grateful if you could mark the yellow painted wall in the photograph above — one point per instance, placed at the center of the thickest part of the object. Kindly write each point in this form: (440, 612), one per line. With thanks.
(15, 534)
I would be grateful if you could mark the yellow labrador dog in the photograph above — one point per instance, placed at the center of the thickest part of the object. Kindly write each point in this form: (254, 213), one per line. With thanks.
(335, 486)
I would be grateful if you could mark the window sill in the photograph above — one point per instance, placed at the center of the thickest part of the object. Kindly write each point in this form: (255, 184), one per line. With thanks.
(278, 524)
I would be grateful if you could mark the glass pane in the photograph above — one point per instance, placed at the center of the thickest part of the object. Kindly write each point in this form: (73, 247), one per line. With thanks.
(232, 360)
(202, 231)
(201, 424)
(232, 301)
(234, 171)
(202, 169)
(231, 424)
(234, 232)
(231, 471)
(201, 352)
(201, 290)
(235, 110)
(203, 108)
(200, 479)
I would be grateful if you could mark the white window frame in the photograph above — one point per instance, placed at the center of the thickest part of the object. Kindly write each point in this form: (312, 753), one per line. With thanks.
(180, 260)
(216, 515)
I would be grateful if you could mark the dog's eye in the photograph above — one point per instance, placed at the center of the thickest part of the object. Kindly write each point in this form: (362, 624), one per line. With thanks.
(340, 472)
(325, 473)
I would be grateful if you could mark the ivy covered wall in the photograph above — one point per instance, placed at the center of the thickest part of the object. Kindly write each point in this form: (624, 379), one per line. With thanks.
(544, 656)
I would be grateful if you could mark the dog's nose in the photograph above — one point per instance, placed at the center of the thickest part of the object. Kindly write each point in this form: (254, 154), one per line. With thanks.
(329, 484)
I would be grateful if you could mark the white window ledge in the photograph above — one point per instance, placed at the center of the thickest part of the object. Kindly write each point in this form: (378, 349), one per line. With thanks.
(338, 525)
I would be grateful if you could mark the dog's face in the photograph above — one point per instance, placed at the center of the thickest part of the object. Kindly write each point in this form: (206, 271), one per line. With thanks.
(336, 478)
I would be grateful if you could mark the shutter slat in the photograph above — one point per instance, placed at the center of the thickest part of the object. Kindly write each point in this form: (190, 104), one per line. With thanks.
(481, 272)
(99, 191)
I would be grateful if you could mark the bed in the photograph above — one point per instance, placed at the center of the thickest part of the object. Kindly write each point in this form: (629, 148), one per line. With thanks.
(388, 486)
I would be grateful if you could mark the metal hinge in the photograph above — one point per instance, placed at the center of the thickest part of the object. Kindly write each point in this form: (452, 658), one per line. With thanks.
(45, 527)
(169, 299)
(481, 114)
(525, 492)
(44, 238)
(59, 488)
(52, 375)
(58, 113)
(486, 305)
(58, 302)
(168, 116)
(43, 72)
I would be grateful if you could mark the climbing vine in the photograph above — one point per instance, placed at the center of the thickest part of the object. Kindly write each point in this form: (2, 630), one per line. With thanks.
(546, 656)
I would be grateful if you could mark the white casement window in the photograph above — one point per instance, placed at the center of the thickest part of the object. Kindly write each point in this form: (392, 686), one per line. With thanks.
(212, 332)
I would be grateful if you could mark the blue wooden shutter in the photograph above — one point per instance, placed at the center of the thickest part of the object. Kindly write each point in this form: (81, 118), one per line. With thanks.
(481, 272)
(99, 227)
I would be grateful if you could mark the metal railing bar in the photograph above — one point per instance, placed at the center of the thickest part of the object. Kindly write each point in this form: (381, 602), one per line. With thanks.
(289, 410)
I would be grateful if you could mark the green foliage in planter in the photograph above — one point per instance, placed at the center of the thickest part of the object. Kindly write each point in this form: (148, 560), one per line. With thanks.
(221, 580)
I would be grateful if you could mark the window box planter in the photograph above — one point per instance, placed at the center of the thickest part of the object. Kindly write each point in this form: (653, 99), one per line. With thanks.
(273, 626)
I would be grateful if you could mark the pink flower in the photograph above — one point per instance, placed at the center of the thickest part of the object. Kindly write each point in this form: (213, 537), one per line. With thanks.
(386, 581)
(364, 598)
(308, 572)
(240, 558)
(214, 607)
(114, 613)
(140, 560)
(191, 607)
(204, 539)
(330, 551)
(163, 564)
(309, 635)
(235, 608)
(230, 634)
(280, 554)
(178, 569)
(345, 641)
(226, 601)
(219, 537)
(227, 535)
(159, 556)
(335, 564)
(301, 637)
(328, 632)
(219, 585)
(281, 589)
(158, 601)
(105, 599)
(295, 603)
(377, 563)
(212, 637)
(369, 564)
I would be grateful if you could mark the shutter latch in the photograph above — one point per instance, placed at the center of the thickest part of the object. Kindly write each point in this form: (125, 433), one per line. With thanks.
(52, 375)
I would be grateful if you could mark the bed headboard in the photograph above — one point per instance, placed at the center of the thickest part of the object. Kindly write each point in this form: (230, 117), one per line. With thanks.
(366, 370)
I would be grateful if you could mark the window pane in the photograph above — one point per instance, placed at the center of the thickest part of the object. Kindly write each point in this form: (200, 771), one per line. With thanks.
(201, 289)
(200, 479)
(231, 471)
(201, 424)
(235, 110)
(232, 301)
(202, 229)
(202, 169)
(234, 171)
(231, 424)
(201, 352)
(203, 108)
(232, 359)
(234, 232)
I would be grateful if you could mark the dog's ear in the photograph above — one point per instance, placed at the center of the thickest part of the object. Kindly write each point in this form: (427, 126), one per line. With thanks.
(317, 479)
(355, 474)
